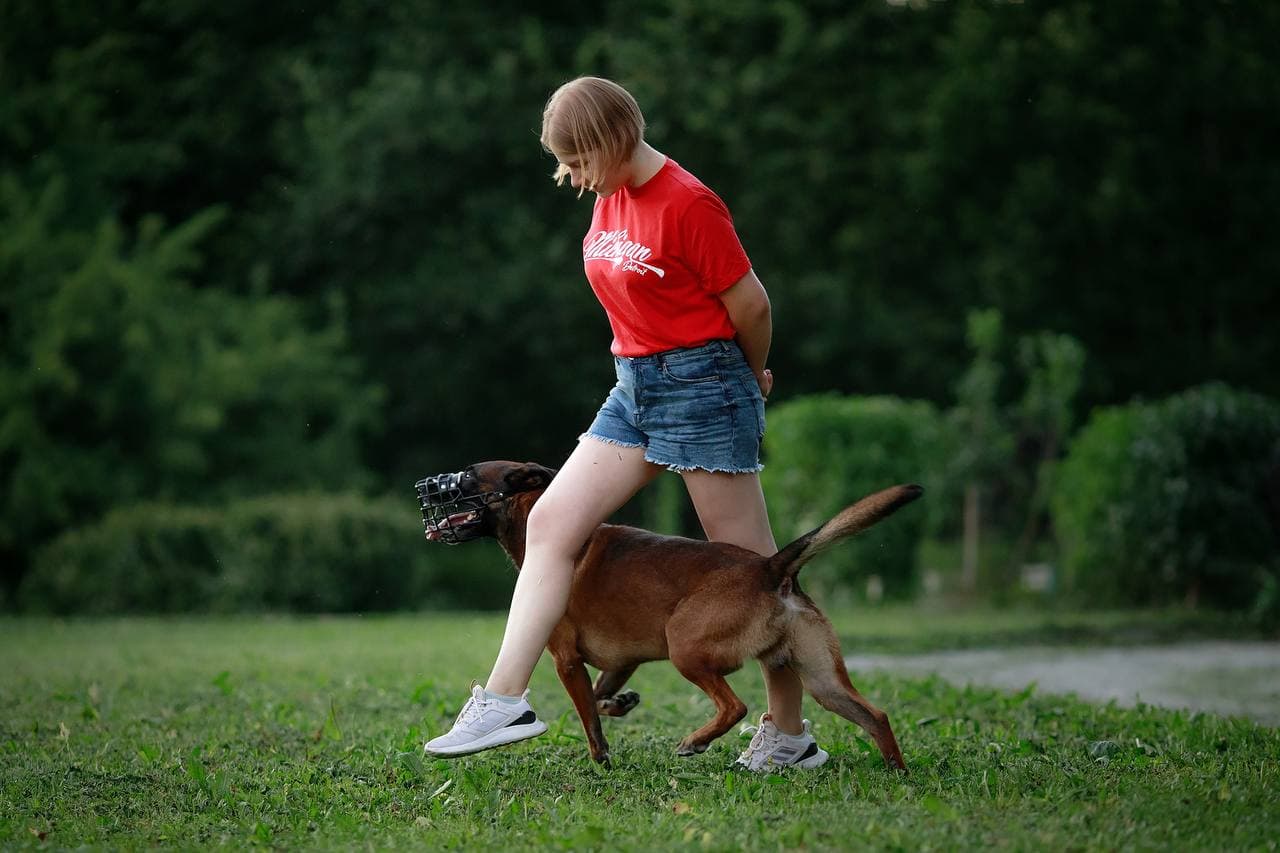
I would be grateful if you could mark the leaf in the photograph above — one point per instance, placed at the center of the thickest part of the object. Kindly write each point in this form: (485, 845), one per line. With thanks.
(935, 806)
(222, 681)
(195, 769)
(331, 728)
(682, 808)
(589, 836)
(1024, 694)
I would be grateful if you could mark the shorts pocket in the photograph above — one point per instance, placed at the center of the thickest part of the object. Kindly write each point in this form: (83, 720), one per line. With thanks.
(691, 370)
(753, 399)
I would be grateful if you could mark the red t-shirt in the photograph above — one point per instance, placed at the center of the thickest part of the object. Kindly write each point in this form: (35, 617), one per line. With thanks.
(657, 256)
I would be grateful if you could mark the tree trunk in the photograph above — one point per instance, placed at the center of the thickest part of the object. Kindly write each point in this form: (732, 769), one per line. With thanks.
(969, 547)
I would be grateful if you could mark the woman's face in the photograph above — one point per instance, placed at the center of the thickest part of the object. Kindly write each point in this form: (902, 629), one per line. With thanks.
(578, 167)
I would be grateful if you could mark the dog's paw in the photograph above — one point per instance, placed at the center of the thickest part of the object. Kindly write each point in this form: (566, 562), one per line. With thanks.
(684, 750)
(617, 706)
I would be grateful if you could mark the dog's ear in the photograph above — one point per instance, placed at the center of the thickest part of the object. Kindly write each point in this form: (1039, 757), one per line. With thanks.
(528, 477)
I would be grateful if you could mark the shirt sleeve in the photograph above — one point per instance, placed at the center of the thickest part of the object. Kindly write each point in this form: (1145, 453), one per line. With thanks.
(712, 250)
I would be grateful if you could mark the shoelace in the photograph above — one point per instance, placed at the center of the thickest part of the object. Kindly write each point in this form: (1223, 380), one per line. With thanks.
(760, 740)
(471, 711)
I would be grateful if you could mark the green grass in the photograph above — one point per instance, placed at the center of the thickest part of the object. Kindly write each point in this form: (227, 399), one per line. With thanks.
(307, 733)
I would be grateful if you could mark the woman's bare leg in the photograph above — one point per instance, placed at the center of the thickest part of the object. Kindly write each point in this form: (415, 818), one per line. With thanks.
(596, 479)
(731, 509)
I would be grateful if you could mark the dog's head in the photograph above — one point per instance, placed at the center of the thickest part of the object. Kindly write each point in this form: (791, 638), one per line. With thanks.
(460, 507)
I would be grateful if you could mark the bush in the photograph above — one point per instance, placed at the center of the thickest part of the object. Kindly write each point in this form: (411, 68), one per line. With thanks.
(301, 553)
(826, 451)
(1174, 501)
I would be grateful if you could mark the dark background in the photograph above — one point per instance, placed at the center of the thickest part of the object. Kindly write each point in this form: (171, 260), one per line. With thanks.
(251, 248)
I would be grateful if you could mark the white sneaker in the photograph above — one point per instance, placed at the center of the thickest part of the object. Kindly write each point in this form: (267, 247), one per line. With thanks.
(770, 749)
(485, 722)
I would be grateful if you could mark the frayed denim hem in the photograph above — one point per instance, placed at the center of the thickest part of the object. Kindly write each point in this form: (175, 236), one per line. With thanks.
(681, 469)
(670, 466)
(603, 440)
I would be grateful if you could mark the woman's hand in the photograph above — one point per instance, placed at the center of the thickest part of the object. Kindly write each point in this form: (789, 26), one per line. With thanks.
(765, 378)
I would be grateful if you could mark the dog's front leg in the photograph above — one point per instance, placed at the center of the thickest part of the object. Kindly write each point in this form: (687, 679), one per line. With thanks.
(574, 677)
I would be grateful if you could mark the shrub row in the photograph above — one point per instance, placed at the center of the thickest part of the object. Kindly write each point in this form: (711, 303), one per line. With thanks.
(1174, 501)
(301, 552)
(824, 452)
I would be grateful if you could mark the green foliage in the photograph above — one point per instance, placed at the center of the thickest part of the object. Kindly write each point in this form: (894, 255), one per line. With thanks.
(417, 188)
(1054, 366)
(1035, 174)
(120, 381)
(353, 195)
(825, 452)
(1003, 442)
(308, 552)
(1175, 500)
(1045, 415)
(976, 415)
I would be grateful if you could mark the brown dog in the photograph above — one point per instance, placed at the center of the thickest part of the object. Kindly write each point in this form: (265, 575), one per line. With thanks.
(638, 596)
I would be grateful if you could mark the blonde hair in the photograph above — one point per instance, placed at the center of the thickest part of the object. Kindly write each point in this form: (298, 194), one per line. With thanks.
(594, 118)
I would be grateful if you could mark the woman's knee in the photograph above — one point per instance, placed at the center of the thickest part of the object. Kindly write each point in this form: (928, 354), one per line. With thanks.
(553, 529)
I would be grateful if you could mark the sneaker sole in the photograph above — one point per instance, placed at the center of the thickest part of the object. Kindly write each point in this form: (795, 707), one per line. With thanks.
(818, 759)
(498, 737)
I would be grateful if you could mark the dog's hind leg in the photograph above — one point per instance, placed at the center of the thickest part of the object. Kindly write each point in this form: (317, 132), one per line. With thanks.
(609, 701)
(729, 708)
(576, 681)
(815, 655)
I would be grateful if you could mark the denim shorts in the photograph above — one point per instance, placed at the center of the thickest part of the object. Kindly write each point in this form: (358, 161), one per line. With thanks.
(690, 409)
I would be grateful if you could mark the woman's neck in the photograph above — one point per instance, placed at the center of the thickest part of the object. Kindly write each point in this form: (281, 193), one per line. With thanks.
(646, 162)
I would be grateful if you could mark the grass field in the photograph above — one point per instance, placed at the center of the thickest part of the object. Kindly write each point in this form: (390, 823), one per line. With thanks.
(307, 733)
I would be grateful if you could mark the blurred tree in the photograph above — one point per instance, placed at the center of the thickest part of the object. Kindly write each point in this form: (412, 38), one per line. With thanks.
(151, 107)
(1099, 168)
(417, 189)
(1054, 367)
(1104, 170)
(119, 381)
(982, 442)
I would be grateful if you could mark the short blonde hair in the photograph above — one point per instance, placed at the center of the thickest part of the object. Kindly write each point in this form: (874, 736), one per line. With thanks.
(591, 116)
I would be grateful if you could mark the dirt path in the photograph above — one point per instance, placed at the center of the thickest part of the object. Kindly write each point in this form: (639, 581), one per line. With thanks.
(1241, 679)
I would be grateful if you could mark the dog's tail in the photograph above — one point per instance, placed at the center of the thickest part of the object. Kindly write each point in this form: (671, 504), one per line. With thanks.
(852, 519)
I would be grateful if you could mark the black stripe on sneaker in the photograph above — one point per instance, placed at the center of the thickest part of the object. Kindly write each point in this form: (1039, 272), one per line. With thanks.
(811, 751)
(530, 717)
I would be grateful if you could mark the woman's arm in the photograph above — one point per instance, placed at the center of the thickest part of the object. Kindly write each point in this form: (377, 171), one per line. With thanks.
(749, 312)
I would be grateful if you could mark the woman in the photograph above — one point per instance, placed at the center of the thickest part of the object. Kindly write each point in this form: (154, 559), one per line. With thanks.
(692, 329)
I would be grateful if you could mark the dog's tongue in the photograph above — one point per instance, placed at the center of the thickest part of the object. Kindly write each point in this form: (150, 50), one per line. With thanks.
(456, 520)
(463, 517)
